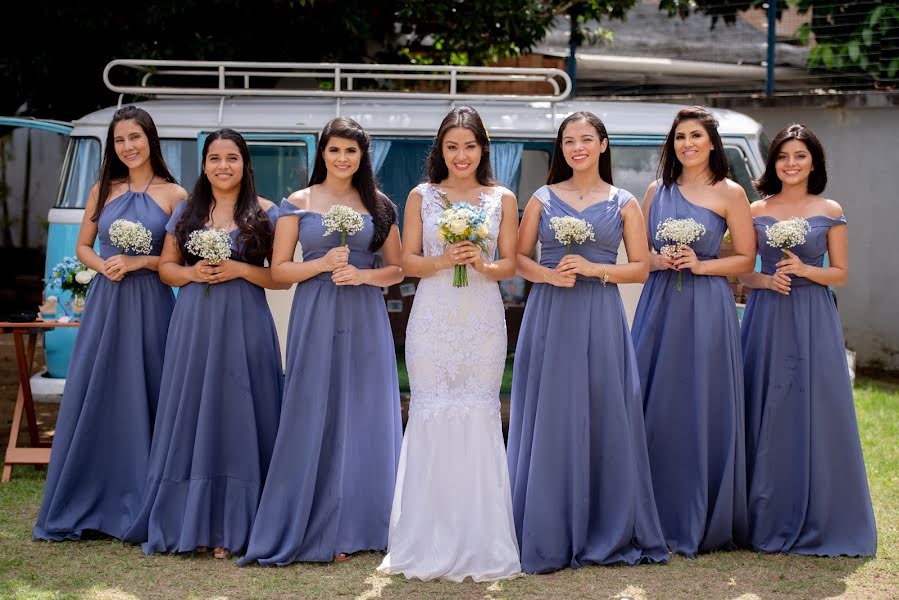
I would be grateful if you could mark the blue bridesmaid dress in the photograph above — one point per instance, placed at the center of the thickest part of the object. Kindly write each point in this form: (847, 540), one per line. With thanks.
(219, 405)
(688, 352)
(333, 473)
(808, 493)
(101, 448)
(581, 486)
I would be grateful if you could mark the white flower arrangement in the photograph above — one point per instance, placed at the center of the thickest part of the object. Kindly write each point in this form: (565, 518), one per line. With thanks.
(132, 236)
(680, 233)
(213, 245)
(787, 233)
(343, 219)
(571, 230)
(462, 222)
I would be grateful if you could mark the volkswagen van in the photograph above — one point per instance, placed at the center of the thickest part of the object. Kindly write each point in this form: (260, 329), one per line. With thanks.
(281, 107)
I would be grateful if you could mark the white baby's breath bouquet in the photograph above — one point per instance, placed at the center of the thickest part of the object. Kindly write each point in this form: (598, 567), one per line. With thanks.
(571, 230)
(678, 233)
(130, 236)
(460, 222)
(213, 245)
(788, 233)
(343, 219)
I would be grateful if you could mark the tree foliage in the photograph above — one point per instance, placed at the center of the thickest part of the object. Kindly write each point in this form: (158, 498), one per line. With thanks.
(855, 39)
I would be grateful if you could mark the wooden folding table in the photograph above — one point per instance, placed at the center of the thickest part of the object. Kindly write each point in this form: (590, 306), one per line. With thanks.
(39, 452)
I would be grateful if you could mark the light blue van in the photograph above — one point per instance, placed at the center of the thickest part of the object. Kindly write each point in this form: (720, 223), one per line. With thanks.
(281, 107)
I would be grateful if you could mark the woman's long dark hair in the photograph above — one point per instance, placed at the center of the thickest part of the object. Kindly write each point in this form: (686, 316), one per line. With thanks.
(769, 183)
(560, 170)
(383, 211)
(256, 233)
(670, 168)
(465, 117)
(112, 169)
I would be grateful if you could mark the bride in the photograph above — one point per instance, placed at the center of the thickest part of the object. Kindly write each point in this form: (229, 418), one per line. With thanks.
(452, 508)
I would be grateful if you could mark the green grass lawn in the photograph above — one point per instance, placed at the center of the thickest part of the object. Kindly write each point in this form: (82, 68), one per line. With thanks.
(107, 570)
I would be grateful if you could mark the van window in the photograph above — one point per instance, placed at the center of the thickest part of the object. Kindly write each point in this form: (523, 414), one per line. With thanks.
(181, 158)
(741, 172)
(281, 167)
(634, 167)
(81, 168)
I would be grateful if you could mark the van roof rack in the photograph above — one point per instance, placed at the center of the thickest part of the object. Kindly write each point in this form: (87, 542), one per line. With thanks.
(331, 80)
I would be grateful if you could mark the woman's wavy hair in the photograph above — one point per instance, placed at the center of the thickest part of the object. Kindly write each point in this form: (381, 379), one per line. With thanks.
(560, 170)
(112, 169)
(465, 117)
(769, 183)
(256, 231)
(670, 168)
(383, 211)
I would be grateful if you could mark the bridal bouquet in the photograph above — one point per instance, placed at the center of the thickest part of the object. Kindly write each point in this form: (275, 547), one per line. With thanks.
(678, 233)
(132, 236)
(787, 234)
(462, 222)
(343, 219)
(571, 230)
(213, 245)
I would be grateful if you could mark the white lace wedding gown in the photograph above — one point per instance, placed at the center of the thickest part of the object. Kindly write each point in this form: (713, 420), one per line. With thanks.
(452, 508)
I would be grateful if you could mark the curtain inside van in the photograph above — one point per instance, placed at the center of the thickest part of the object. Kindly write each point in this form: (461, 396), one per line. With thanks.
(379, 150)
(505, 158)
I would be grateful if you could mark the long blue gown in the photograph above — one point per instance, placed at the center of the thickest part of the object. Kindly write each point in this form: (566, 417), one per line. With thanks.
(333, 472)
(219, 405)
(688, 352)
(808, 493)
(101, 448)
(581, 486)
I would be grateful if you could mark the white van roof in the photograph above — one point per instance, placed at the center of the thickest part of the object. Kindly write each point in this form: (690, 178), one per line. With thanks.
(413, 118)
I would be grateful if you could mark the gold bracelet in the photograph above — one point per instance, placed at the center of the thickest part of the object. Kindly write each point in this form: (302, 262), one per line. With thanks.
(605, 275)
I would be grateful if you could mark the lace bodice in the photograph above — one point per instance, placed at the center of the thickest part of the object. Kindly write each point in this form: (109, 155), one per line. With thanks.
(456, 338)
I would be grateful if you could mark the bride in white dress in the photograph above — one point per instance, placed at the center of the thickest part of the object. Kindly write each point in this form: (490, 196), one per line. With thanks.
(452, 508)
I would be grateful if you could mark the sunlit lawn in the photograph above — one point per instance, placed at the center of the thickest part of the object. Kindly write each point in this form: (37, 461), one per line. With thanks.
(112, 570)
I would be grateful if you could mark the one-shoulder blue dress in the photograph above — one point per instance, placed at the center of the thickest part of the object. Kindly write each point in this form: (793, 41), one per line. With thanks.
(688, 352)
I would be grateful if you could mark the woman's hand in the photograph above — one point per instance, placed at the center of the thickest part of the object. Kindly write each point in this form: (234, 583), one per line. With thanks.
(347, 275)
(559, 279)
(468, 253)
(574, 264)
(660, 262)
(778, 282)
(336, 257)
(688, 260)
(792, 265)
(224, 271)
(116, 266)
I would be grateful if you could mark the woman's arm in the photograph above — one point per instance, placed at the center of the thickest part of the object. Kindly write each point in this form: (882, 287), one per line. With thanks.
(528, 233)
(172, 269)
(837, 254)
(413, 263)
(739, 222)
(385, 276)
(657, 262)
(284, 270)
(636, 270)
(507, 242)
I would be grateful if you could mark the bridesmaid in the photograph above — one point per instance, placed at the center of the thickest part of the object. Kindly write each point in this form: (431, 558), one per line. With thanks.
(687, 343)
(101, 447)
(333, 471)
(581, 486)
(801, 426)
(220, 395)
